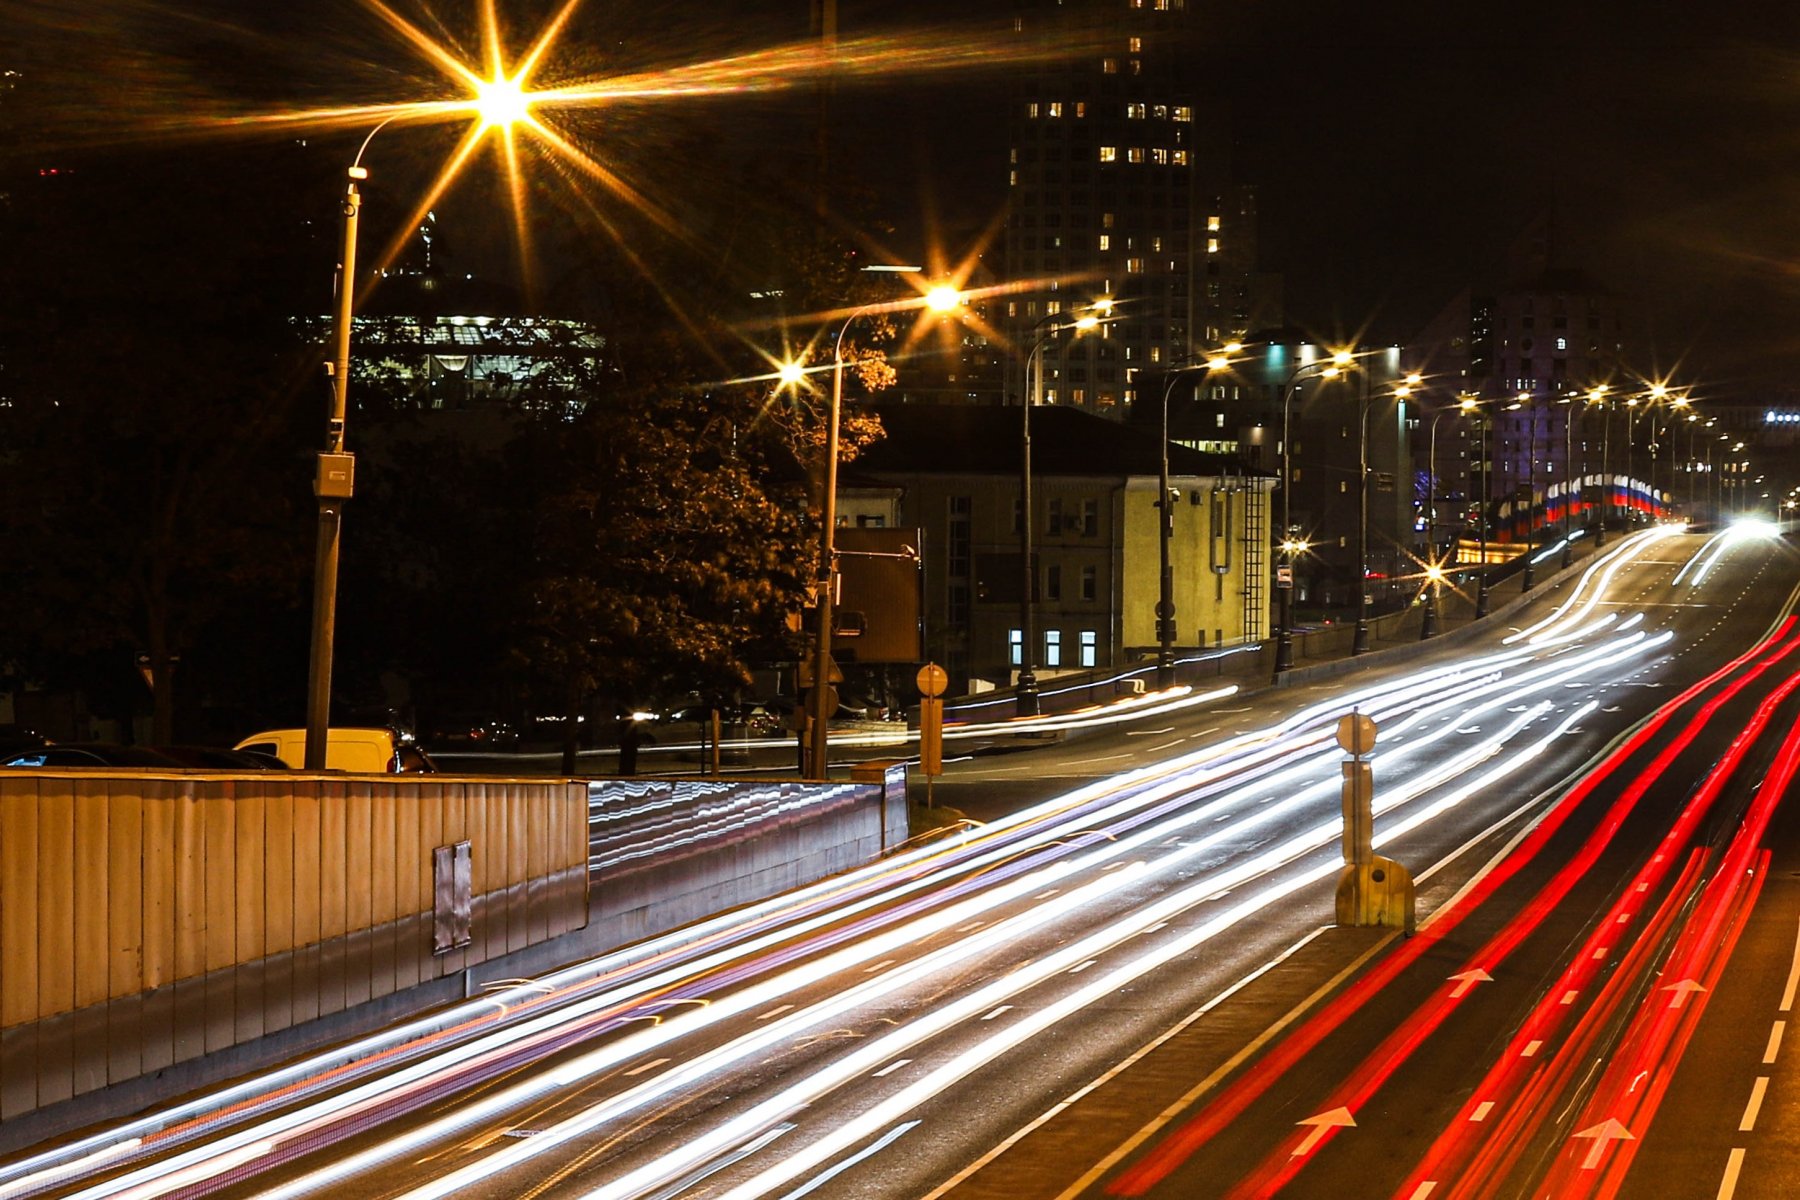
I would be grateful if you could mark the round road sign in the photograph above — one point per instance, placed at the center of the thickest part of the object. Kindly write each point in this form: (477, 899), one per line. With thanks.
(932, 680)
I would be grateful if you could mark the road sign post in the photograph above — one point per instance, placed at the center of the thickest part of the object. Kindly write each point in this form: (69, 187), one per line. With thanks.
(1371, 890)
(932, 681)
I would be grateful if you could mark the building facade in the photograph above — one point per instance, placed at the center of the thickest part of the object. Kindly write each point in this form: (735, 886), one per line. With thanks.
(1096, 543)
(1118, 190)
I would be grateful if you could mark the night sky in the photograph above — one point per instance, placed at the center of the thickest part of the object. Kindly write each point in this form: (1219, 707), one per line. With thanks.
(1398, 147)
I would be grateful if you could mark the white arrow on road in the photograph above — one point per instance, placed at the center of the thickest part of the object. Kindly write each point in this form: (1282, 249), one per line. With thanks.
(1609, 1130)
(1683, 990)
(1467, 980)
(1337, 1118)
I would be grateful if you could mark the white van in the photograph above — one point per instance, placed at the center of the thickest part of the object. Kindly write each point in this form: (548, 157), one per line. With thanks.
(363, 751)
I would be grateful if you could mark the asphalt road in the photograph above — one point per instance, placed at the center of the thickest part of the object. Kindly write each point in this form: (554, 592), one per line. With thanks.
(1133, 985)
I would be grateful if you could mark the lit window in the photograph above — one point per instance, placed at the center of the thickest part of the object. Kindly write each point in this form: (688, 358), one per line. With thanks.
(1135, 154)
(1159, 156)
(1212, 245)
(1562, 343)
(1015, 645)
(1135, 45)
(1109, 154)
(1106, 241)
(1054, 108)
(1156, 354)
(1160, 112)
(1031, 110)
(1156, 243)
(1081, 108)
(1052, 307)
(1109, 66)
(1134, 111)
(1106, 220)
(1134, 266)
(1053, 647)
(1179, 157)
(1090, 648)
(1212, 224)
(1183, 113)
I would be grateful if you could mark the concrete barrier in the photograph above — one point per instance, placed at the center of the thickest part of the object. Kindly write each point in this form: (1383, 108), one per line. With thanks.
(148, 919)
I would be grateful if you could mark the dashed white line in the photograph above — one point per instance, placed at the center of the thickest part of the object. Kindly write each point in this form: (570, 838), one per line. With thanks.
(892, 1067)
(1482, 1110)
(1531, 1048)
(1733, 1167)
(1774, 1046)
(992, 1013)
(649, 1066)
(1757, 1091)
(883, 965)
(1793, 979)
(775, 1012)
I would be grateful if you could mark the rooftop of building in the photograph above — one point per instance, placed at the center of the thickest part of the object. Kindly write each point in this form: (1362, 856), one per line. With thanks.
(961, 439)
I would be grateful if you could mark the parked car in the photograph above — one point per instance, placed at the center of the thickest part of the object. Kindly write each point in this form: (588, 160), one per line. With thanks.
(217, 758)
(91, 754)
(363, 751)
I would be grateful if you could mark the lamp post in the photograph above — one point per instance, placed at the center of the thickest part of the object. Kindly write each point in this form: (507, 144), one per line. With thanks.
(1568, 549)
(1597, 395)
(1471, 405)
(1025, 693)
(1165, 595)
(819, 699)
(1523, 404)
(1325, 368)
(335, 479)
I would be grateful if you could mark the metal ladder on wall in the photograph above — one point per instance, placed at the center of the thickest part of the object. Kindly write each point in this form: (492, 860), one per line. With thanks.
(1256, 567)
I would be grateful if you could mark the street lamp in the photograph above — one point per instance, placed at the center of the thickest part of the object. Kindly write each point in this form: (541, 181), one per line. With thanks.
(939, 299)
(1471, 405)
(1434, 578)
(499, 103)
(1597, 395)
(1165, 597)
(1523, 403)
(1025, 693)
(1568, 549)
(1324, 368)
(335, 479)
(1359, 643)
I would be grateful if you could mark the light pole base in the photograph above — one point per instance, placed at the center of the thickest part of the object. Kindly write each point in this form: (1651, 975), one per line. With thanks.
(1428, 627)
(1284, 652)
(1481, 597)
(1360, 644)
(1028, 704)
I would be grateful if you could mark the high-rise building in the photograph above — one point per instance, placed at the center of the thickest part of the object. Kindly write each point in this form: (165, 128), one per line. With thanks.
(1118, 189)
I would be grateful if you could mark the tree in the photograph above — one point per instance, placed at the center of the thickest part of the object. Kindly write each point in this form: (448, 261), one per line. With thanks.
(154, 483)
(668, 540)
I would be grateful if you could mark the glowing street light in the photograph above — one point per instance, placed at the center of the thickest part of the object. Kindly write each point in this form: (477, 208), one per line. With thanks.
(821, 698)
(499, 104)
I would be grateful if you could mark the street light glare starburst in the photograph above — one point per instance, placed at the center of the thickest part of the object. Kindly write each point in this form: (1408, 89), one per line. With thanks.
(501, 102)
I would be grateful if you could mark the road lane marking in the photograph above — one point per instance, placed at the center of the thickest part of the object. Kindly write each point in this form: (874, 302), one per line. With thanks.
(972, 925)
(1531, 1048)
(892, 1067)
(880, 966)
(1200, 1089)
(775, 1012)
(1751, 1110)
(649, 1066)
(1733, 1166)
(1046, 894)
(992, 1013)
(1601, 953)
(1569, 996)
(1793, 979)
(1774, 1047)
(1482, 1110)
(1423, 1190)
(1079, 968)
